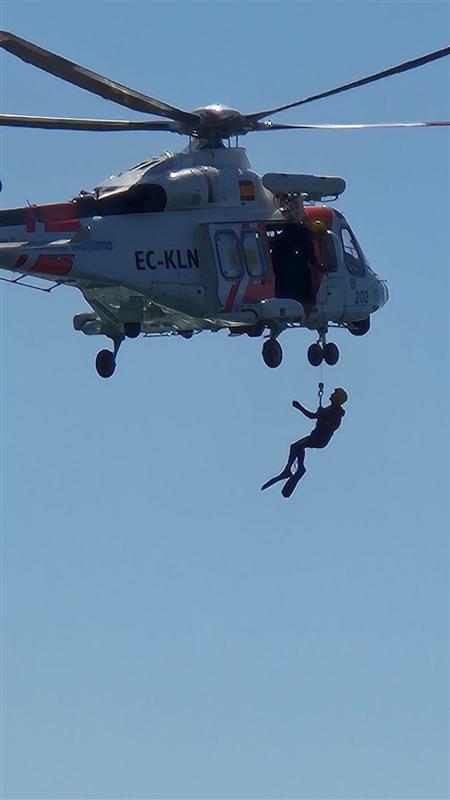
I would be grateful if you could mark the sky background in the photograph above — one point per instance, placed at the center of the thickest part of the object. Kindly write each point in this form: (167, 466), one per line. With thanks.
(167, 630)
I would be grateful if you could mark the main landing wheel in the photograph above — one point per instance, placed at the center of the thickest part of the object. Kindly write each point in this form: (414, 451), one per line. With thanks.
(331, 354)
(105, 363)
(272, 353)
(315, 354)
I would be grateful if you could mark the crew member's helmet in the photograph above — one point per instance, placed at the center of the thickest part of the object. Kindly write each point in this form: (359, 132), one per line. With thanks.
(317, 227)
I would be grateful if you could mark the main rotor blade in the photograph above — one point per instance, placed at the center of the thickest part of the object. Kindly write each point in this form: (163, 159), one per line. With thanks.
(91, 81)
(385, 73)
(275, 126)
(70, 124)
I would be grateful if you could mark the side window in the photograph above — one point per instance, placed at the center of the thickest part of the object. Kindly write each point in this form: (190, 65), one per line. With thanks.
(352, 258)
(228, 251)
(254, 255)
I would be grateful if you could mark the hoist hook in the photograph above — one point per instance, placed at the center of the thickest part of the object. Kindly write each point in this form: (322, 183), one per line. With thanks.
(320, 393)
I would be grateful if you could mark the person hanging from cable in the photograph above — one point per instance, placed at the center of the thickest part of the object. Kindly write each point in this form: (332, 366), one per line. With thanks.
(328, 421)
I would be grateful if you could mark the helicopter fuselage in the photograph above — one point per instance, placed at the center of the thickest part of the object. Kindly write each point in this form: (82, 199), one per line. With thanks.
(198, 241)
(196, 234)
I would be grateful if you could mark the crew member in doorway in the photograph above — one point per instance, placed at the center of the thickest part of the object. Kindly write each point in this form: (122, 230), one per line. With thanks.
(293, 255)
(328, 421)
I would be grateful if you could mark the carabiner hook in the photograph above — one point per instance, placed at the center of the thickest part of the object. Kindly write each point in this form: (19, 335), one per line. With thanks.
(320, 393)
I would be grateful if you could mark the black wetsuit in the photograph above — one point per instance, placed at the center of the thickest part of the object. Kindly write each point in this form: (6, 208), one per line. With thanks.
(328, 421)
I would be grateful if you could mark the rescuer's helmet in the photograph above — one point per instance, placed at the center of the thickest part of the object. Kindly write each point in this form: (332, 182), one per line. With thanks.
(339, 396)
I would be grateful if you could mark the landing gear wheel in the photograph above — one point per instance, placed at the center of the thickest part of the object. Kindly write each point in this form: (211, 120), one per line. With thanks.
(256, 330)
(331, 354)
(360, 327)
(272, 353)
(105, 363)
(315, 354)
(132, 329)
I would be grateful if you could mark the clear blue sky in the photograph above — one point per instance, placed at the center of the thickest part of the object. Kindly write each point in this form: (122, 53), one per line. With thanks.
(169, 631)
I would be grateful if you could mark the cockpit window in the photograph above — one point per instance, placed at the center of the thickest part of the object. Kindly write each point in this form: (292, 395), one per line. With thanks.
(353, 259)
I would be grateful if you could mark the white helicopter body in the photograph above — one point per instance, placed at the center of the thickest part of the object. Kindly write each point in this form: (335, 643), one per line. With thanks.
(196, 240)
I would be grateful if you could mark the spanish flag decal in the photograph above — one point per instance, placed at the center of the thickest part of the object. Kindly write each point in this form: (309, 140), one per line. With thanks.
(247, 191)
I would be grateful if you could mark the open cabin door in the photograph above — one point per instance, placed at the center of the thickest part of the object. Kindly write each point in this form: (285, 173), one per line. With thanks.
(296, 262)
(244, 269)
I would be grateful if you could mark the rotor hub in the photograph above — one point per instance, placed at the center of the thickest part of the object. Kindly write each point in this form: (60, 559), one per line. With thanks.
(219, 122)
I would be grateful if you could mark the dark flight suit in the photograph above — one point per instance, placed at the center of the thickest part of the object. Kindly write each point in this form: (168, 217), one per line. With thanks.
(328, 421)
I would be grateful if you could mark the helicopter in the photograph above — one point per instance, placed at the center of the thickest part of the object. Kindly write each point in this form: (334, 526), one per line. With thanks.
(196, 240)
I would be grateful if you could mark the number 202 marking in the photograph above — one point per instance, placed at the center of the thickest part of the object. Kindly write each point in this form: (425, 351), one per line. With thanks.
(361, 297)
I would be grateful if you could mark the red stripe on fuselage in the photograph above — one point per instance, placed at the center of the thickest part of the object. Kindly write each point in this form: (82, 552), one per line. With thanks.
(30, 219)
(262, 290)
(57, 217)
(63, 226)
(53, 265)
(231, 297)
